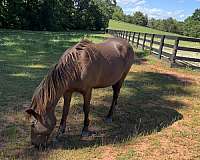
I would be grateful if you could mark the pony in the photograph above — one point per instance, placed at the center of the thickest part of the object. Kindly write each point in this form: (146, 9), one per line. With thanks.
(81, 68)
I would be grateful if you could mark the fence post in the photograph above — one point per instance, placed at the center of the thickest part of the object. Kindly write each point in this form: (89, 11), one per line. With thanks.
(133, 38)
(161, 46)
(106, 31)
(123, 34)
(143, 44)
(173, 57)
(151, 44)
(126, 35)
(138, 40)
(129, 37)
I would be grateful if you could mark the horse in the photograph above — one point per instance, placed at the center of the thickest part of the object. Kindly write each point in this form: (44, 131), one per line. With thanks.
(81, 68)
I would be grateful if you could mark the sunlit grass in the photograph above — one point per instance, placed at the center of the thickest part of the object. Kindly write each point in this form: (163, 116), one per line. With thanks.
(152, 98)
(39, 66)
(134, 28)
(22, 75)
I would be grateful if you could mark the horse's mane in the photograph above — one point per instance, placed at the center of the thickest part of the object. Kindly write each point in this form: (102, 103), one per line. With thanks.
(56, 80)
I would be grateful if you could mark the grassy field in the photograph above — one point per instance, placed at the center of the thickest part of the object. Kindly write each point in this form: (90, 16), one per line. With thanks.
(134, 28)
(157, 117)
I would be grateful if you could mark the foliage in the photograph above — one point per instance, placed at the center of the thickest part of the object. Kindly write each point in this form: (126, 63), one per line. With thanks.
(142, 53)
(53, 15)
(192, 24)
(140, 19)
(190, 27)
(167, 25)
(118, 14)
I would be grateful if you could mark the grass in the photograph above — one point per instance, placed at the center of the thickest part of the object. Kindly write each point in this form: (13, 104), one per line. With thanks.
(135, 28)
(157, 117)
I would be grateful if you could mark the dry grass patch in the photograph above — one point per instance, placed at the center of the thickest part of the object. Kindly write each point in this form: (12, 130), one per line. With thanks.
(157, 116)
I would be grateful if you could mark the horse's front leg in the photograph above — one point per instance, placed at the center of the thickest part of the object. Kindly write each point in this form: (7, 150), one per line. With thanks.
(67, 99)
(86, 108)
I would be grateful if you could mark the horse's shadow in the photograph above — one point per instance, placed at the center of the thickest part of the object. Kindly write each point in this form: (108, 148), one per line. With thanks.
(138, 122)
(142, 109)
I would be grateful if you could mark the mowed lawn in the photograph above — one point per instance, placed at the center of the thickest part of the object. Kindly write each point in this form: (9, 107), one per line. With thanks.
(157, 117)
(113, 24)
(135, 28)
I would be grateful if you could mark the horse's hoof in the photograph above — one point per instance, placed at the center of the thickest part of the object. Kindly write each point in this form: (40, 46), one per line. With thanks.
(88, 133)
(60, 133)
(41, 147)
(108, 120)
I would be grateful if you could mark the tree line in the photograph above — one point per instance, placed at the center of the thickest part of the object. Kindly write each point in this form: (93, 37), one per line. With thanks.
(189, 27)
(60, 15)
(56, 15)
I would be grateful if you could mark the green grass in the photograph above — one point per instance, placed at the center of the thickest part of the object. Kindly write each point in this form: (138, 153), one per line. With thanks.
(152, 99)
(134, 28)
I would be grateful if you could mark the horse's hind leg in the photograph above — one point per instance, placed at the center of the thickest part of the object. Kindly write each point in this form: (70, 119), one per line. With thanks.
(116, 90)
(67, 99)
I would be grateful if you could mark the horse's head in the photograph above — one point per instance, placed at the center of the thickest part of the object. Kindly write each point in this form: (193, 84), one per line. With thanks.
(41, 127)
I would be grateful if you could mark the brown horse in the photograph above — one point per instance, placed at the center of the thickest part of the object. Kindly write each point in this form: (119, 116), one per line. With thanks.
(80, 69)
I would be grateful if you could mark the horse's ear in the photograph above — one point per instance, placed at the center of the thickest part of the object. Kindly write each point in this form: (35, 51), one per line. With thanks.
(31, 112)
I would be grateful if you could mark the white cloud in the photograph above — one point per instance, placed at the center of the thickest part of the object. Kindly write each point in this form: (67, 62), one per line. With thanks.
(130, 6)
(131, 2)
(160, 13)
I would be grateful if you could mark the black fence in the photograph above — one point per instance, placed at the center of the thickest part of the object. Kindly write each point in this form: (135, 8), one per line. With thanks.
(147, 41)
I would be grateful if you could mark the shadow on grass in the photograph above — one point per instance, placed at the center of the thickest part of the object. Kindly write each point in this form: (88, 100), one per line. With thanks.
(143, 106)
(143, 109)
(25, 58)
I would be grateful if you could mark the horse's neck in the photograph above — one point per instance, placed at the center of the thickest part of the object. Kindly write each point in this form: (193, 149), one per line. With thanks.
(71, 74)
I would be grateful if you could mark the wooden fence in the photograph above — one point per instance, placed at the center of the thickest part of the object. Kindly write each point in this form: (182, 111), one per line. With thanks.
(141, 39)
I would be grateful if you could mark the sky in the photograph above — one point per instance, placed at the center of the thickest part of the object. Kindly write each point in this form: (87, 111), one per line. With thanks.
(178, 9)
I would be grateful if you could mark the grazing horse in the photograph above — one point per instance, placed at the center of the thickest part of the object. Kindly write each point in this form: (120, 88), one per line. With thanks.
(80, 69)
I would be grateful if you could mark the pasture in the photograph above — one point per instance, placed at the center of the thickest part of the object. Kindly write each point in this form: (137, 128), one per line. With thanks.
(135, 28)
(157, 116)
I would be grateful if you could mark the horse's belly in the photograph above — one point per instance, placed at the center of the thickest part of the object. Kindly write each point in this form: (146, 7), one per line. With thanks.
(109, 76)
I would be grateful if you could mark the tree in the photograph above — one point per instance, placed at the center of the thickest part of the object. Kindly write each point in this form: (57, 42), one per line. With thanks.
(103, 12)
(128, 18)
(54, 15)
(140, 19)
(2, 13)
(118, 14)
(192, 24)
(196, 15)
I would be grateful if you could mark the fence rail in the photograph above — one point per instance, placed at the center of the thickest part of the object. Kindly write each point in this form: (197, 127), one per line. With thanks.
(141, 39)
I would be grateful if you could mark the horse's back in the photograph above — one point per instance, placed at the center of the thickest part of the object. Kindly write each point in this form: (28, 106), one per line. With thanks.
(112, 59)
